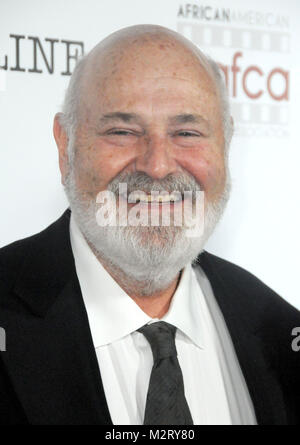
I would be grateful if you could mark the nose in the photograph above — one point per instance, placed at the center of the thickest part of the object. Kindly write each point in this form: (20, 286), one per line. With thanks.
(156, 158)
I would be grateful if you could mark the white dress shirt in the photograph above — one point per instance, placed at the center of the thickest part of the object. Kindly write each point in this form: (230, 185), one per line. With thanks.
(124, 355)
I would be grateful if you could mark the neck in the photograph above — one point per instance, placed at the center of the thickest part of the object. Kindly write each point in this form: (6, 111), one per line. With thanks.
(157, 304)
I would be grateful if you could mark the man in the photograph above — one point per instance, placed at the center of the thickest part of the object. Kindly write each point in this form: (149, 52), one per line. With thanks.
(112, 322)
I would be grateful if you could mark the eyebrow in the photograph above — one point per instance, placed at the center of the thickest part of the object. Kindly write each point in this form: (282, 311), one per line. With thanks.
(132, 117)
(188, 119)
(119, 116)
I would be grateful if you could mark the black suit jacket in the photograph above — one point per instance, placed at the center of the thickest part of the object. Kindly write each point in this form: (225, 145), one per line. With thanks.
(49, 372)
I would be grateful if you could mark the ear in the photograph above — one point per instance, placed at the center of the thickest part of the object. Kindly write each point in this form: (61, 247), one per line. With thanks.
(61, 139)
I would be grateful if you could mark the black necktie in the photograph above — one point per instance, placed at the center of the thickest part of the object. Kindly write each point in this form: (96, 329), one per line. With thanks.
(166, 403)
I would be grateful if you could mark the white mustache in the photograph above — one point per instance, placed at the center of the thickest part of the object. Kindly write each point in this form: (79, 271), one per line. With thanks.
(142, 182)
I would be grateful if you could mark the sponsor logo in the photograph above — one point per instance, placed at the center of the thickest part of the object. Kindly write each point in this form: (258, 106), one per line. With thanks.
(33, 54)
(208, 13)
(253, 51)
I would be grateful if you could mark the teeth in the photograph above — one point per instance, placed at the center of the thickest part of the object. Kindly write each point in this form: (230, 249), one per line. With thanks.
(143, 197)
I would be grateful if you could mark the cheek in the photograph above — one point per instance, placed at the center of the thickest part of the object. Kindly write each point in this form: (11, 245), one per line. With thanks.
(207, 167)
(97, 165)
(89, 172)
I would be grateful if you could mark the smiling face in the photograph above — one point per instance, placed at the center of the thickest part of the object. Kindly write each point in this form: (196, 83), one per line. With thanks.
(148, 109)
(152, 109)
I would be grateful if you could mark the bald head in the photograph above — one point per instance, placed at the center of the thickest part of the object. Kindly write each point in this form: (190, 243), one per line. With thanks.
(144, 40)
(132, 54)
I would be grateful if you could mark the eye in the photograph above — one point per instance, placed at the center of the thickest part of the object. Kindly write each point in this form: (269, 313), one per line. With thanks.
(121, 132)
(188, 134)
(121, 136)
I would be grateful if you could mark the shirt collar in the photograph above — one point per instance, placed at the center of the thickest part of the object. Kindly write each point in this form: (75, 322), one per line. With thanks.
(185, 310)
(113, 314)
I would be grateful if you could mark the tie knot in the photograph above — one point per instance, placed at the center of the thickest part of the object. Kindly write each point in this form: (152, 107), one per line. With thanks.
(161, 336)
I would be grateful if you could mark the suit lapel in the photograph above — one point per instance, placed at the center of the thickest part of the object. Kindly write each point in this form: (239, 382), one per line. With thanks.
(50, 356)
(251, 349)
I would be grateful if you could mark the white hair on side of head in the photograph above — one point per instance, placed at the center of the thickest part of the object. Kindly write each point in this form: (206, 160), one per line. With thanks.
(226, 112)
(69, 116)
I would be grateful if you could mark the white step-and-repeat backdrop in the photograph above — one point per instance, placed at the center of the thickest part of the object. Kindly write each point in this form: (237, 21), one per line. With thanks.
(257, 44)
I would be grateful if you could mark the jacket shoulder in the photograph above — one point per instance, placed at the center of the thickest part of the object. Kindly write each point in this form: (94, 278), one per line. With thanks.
(13, 256)
(244, 283)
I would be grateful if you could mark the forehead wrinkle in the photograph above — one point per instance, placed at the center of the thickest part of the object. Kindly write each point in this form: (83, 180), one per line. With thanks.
(173, 77)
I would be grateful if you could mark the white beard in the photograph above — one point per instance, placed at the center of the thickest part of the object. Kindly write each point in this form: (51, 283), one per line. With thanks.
(144, 258)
